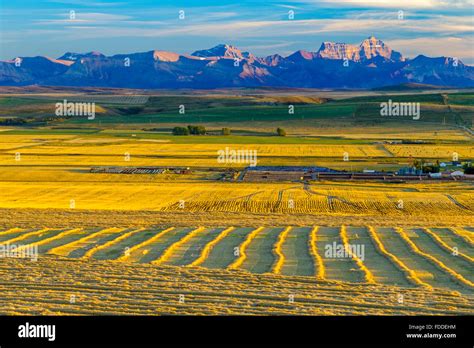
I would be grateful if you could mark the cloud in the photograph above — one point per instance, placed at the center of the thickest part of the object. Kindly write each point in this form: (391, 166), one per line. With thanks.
(84, 17)
(462, 48)
(266, 47)
(266, 23)
(442, 25)
(399, 4)
(88, 3)
(291, 7)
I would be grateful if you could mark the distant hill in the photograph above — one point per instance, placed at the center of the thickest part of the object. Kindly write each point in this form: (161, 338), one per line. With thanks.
(409, 87)
(371, 64)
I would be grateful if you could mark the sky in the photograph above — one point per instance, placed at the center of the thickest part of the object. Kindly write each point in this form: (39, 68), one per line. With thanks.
(52, 27)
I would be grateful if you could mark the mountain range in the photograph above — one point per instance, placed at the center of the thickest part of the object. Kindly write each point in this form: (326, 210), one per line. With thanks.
(371, 64)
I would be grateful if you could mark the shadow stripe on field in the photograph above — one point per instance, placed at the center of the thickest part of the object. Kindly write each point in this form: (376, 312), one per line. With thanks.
(295, 248)
(457, 263)
(451, 238)
(117, 250)
(260, 255)
(222, 254)
(192, 248)
(37, 236)
(154, 250)
(382, 268)
(337, 268)
(83, 247)
(71, 238)
(57, 239)
(425, 270)
(13, 233)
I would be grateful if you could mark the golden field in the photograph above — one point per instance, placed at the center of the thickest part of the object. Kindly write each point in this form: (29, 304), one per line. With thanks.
(341, 199)
(194, 244)
(110, 150)
(148, 153)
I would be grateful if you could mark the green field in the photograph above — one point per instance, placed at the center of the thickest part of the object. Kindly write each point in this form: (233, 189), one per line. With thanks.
(443, 108)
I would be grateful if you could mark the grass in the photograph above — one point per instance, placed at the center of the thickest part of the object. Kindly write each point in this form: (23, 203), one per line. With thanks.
(260, 256)
(461, 99)
(140, 289)
(298, 260)
(458, 263)
(263, 250)
(231, 110)
(189, 251)
(223, 254)
(383, 269)
(423, 268)
(454, 240)
(337, 269)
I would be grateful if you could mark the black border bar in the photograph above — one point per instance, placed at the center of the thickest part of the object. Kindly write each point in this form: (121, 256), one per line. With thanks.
(241, 330)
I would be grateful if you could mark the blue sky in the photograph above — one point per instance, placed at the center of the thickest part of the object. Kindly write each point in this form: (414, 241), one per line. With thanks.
(45, 27)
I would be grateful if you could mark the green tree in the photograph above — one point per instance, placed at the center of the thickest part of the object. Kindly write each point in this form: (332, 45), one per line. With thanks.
(225, 131)
(200, 130)
(430, 169)
(197, 130)
(180, 131)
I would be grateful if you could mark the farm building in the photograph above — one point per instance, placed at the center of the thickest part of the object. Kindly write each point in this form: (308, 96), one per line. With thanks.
(283, 173)
(127, 170)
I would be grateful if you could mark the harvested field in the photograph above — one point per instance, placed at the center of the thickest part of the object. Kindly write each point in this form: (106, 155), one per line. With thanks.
(139, 271)
(55, 286)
